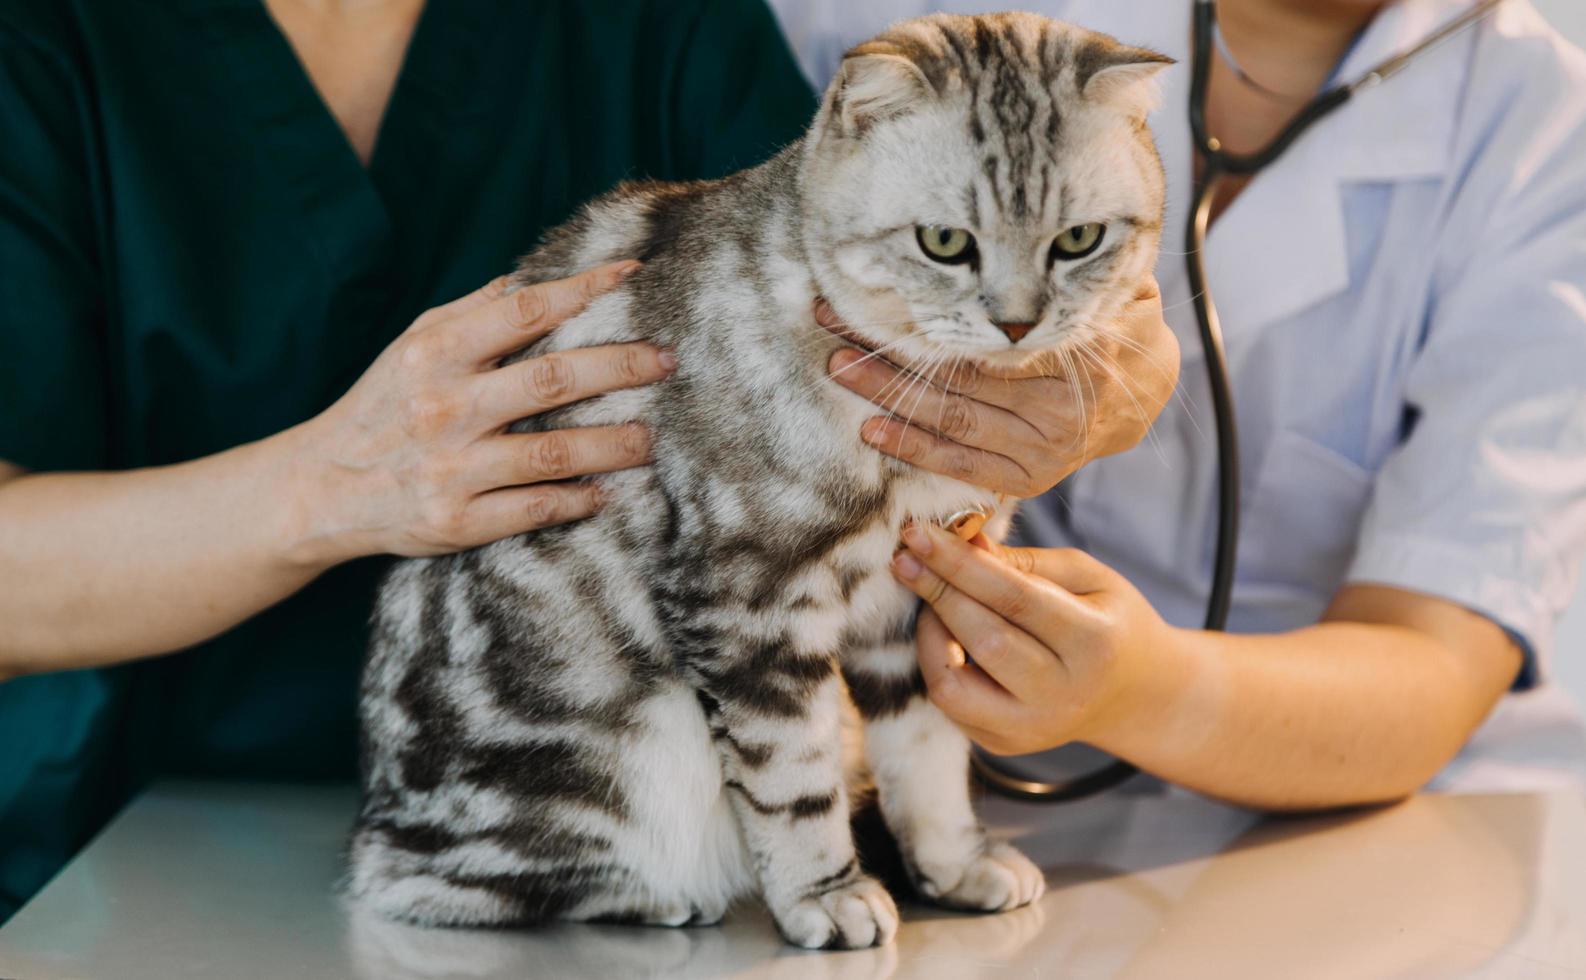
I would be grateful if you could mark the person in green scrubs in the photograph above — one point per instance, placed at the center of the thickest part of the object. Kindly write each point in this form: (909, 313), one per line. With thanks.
(234, 365)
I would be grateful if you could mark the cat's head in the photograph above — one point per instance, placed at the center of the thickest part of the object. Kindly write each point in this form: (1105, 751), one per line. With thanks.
(984, 187)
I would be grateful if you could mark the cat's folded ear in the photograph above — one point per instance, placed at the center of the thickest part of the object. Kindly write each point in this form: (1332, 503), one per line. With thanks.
(1119, 75)
(873, 85)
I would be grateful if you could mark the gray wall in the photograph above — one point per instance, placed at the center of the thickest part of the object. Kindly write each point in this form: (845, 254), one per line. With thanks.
(1569, 16)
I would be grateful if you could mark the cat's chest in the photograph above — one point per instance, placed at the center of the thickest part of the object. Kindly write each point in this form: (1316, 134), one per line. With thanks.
(849, 598)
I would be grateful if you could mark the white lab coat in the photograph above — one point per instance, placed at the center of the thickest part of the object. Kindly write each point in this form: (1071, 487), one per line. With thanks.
(1404, 302)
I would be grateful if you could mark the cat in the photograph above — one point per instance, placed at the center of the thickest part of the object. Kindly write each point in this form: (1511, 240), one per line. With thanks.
(636, 717)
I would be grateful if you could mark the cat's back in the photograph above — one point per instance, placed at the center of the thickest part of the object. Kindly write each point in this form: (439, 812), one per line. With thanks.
(701, 242)
(426, 605)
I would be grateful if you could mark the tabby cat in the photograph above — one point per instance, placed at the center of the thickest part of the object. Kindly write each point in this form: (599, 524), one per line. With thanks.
(636, 717)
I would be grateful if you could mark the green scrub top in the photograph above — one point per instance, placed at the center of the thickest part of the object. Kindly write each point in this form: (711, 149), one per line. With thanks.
(192, 257)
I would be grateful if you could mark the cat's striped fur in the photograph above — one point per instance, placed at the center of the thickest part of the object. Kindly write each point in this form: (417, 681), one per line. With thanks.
(636, 717)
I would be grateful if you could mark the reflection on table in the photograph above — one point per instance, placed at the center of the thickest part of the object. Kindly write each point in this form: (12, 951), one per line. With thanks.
(232, 881)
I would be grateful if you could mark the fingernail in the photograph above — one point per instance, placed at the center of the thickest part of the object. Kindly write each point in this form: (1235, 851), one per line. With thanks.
(824, 314)
(845, 357)
(630, 268)
(907, 566)
(668, 360)
(917, 538)
(955, 656)
(871, 431)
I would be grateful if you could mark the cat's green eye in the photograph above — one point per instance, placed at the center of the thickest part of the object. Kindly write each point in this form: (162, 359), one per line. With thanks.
(1078, 241)
(947, 245)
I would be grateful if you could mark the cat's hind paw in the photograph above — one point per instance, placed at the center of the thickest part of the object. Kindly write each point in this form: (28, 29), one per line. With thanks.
(1000, 879)
(708, 913)
(671, 914)
(851, 916)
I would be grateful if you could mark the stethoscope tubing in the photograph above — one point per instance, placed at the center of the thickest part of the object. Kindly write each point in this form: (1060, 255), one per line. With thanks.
(1216, 165)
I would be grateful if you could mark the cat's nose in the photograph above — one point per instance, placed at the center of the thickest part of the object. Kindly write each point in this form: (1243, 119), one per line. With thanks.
(1015, 331)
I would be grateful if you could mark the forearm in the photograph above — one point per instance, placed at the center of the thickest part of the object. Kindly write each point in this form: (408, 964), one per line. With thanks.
(1336, 714)
(99, 568)
(415, 459)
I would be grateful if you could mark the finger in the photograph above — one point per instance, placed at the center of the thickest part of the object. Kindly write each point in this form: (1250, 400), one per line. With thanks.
(827, 317)
(532, 386)
(1009, 655)
(1141, 320)
(953, 416)
(485, 332)
(1028, 601)
(1000, 741)
(928, 451)
(1068, 568)
(516, 459)
(491, 290)
(1054, 617)
(516, 510)
(964, 692)
(1147, 353)
(957, 696)
(1141, 346)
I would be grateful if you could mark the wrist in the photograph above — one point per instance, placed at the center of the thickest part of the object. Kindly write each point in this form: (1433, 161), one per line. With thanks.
(1150, 707)
(318, 528)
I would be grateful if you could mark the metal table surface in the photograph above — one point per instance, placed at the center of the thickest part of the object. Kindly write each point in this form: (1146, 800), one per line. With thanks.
(223, 881)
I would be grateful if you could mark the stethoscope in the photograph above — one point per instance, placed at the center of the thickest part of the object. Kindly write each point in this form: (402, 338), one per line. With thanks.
(1218, 164)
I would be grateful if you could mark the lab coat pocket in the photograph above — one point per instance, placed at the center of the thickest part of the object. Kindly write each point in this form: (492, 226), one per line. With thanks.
(1304, 514)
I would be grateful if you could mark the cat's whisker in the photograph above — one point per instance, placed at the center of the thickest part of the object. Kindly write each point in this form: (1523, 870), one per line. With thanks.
(896, 387)
(925, 386)
(1099, 357)
(941, 402)
(1069, 371)
(1182, 303)
(1095, 404)
(878, 352)
(816, 341)
(901, 392)
(1122, 340)
(941, 408)
(1180, 394)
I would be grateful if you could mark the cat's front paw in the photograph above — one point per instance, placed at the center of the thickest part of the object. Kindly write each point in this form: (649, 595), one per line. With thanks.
(1002, 878)
(851, 916)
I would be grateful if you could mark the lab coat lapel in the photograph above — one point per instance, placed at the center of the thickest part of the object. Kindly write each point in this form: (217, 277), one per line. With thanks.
(1282, 247)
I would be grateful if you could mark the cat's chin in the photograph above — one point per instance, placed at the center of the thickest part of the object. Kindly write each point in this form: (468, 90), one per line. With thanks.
(917, 348)
(1012, 362)
(1008, 362)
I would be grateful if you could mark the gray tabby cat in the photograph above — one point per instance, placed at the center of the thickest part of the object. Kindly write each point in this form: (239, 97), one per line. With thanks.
(636, 717)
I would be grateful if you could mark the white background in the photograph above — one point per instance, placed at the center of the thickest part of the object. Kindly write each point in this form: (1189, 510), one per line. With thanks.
(1569, 658)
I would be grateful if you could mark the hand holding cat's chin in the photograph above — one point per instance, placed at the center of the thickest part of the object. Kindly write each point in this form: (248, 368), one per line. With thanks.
(1020, 428)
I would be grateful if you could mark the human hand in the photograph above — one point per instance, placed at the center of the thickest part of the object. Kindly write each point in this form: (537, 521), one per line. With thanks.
(416, 459)
(1021, 434)
(1056, 641)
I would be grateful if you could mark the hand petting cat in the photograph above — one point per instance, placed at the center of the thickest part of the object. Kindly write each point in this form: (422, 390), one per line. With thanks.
(1021, 434)
(418, 458)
